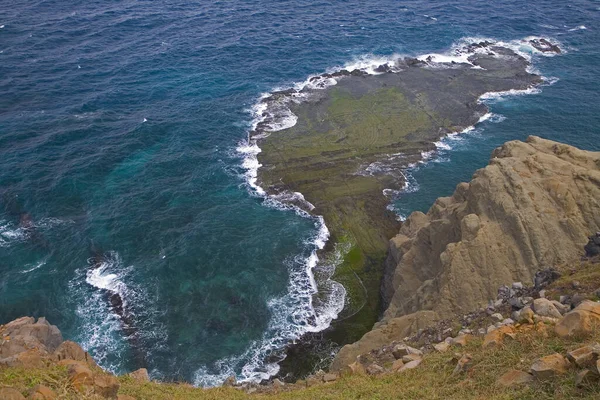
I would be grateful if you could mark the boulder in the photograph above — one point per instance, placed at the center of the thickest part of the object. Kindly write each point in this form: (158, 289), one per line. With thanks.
(329, 377)
(10, 394)
(106, 385)
(30, 334)
(586, 377)
(441, 347)
(41, 392)
(462, 340)
(141, 375)
(355, 368)
(497, 316)
(402, 350)
(410, 365)
(581, 321)
(497, 336)
(562, 308)
(31, 358)
(514, 378)
(397, 365)
(230, 381)
(375, 369)
(69, 350)
(548, 367)
(583, 357)
(410, 357)
(81, 376)
(545, 308)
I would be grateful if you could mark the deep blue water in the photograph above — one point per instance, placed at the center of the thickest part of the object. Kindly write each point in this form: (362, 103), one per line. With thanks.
(119, 122)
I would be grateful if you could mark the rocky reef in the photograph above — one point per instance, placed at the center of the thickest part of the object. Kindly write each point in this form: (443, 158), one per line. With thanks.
(532, 207)
(353, 134)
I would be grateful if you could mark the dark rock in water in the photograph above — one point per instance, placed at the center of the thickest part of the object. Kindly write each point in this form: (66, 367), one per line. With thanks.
(545, 46)
(343, 72)
(545, 277)
(414, 62)
(357, 72)
(592, 248)
(287, 92)
(383, 68)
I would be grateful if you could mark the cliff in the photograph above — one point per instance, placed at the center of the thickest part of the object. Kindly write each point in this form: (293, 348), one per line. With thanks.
(533, 206)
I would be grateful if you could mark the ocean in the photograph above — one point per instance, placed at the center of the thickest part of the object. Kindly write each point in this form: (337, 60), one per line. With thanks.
(124, 167)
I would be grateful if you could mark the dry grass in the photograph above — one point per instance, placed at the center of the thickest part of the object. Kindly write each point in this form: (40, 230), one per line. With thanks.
(433, 379)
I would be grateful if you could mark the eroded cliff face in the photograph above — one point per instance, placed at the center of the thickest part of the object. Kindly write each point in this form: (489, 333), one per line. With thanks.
(533, 206)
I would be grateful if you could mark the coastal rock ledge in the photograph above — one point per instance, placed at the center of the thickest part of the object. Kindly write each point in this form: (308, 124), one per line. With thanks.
(532, 207)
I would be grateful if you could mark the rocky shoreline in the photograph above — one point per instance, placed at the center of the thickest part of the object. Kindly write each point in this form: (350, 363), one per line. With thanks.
(350, 144)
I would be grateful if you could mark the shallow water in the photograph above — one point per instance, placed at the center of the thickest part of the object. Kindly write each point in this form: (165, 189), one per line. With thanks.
(119, 123)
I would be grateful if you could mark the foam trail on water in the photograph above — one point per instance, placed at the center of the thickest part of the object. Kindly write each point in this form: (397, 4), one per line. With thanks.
(101, 331)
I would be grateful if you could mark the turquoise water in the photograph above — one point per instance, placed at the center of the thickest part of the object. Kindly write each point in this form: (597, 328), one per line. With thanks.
(119, 124)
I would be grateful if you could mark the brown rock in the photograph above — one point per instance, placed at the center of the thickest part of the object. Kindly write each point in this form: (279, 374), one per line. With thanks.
(462, 340)
(496, 337)
(375, 369)
(463, 364)
(515, 378)
(545, 308)
(330, 377)
(583, 357)
(410, 365)
(441, 347)
(127, 397)
(526, 315)
(106, 385)
(312, 381)
(41, 392)
(410, 357)
(72, 351)
(10, 394)
(397, 365)
(382, 335)
(80, 375)
(402, 350)
(141, 375)
(581, 321)
(586, 377)
(355, 368)
(550, 366)
(31, 358)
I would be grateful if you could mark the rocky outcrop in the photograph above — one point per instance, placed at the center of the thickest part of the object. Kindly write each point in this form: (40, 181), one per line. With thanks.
(533, 206)
(29, 344)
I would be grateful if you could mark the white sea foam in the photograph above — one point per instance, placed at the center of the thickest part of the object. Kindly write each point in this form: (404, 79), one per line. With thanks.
(10, 234)
(35, 266)
(578, 28)
(101, 329)
(292, 315)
